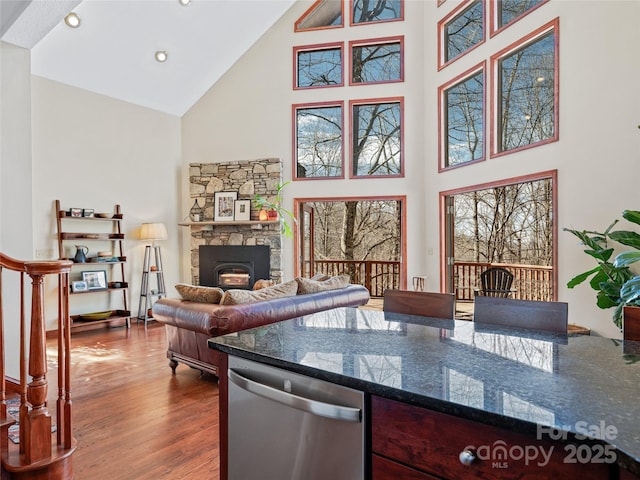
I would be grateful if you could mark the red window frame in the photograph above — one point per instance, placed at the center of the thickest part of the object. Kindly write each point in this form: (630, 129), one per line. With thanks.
(316, 48)
(553, 25)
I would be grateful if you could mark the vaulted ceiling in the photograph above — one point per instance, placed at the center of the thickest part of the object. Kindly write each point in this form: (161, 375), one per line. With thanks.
(112, 52)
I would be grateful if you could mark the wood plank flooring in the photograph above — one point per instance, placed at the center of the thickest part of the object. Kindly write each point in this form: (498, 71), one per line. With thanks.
(132, 418)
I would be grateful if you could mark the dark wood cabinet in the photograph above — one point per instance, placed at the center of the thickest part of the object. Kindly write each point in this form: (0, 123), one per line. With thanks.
(408, 441)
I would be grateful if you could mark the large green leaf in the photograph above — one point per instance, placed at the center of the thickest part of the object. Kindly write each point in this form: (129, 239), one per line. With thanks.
(626, 258)
(594, 242)
(604, 301)
(599, 278)
(578, 279)
(625, 237)
(600, 254)
(630, 291)
(632, 215)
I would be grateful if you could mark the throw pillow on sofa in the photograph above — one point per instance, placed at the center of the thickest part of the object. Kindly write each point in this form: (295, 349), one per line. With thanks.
(237, 297)
(309, 285)
(200, 294)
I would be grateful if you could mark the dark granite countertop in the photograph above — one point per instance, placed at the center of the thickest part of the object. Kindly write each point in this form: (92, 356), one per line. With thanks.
(510, 378)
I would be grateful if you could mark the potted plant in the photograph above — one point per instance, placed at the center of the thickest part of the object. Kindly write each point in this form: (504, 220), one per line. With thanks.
(614, 281)
(271, 209)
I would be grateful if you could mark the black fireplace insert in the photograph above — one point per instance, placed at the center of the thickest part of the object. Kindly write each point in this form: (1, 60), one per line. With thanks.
(233, 266)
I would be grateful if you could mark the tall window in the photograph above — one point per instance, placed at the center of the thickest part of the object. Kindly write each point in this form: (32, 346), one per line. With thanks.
(377, 137)
(318, 66)
(461, 31)
(376, 62)
(526, 93)
(318, 140)
(367, 11)
(462, 118)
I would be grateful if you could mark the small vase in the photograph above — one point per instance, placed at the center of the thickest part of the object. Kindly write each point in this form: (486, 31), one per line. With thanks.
(196, 213)
(272, 215)
(263, 216)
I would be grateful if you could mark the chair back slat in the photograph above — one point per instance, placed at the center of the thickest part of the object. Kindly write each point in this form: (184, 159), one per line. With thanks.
(426, 304)
(550, 316)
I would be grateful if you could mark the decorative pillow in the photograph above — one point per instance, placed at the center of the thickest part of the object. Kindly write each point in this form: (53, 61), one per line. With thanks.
(309, 285)
(260, 284)
(200, 294)
(237, 297)
(320, 277)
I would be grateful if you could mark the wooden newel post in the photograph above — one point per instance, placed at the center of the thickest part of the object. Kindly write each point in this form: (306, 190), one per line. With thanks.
(37, 431)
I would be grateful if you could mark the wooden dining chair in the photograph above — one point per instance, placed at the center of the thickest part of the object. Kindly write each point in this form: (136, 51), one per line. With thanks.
(550, 316)
(426, 304)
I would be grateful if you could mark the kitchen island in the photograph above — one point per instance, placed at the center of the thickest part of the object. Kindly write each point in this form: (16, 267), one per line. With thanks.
(445, 397)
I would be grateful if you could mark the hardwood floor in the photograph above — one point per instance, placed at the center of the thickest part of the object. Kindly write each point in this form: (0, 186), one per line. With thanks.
(132, 418)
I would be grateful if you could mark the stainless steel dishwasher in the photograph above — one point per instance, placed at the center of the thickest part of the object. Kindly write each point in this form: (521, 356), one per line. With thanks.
(285, 426)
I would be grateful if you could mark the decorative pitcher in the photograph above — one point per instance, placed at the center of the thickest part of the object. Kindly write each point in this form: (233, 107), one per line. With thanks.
(81, 254)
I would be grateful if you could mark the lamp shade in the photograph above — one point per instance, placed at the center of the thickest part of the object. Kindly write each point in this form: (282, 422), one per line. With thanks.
(153, 231)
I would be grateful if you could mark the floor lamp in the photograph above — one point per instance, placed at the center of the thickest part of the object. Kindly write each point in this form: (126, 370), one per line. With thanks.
(151, 232)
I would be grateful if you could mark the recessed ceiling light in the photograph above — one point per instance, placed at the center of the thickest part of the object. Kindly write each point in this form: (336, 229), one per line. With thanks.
(184, 3)
(72, 20)
(161, 56)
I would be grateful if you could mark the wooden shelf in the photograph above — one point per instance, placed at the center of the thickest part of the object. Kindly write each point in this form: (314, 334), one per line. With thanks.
(108, 217)
(114, 269)
(91, 236)
(245, 222)
(115, 315)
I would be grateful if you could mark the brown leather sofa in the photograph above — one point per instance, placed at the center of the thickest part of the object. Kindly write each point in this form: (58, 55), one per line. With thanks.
(189, 324)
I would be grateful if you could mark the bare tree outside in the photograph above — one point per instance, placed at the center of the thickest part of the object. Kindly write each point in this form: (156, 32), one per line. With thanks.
(319, 141)
(527, 106)
(464, 31)
(509, 10)
(509, 224)
(317, 68)
(375, 10)
(350, 234)
(376, 63)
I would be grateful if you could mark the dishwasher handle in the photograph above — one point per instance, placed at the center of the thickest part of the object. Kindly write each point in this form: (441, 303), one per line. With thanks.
(314, 407)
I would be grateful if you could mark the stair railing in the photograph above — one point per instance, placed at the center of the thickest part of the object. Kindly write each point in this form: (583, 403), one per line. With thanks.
(40, 454)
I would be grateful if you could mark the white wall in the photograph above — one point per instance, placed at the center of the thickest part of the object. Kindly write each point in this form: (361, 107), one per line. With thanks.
(247, 114)
(597, 154)
(16, 233)
(92, 151)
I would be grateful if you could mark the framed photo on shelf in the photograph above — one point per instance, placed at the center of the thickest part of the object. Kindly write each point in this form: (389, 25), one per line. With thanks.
(75, 212)
(242, 210)
(95, 279)
(223, 206)
(87, 212)
(79, 286)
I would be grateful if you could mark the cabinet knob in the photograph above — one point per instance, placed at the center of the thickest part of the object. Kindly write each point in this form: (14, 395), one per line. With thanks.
(467, 457)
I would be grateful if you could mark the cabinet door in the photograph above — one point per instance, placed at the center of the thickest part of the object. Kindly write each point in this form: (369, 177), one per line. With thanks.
(432, 442)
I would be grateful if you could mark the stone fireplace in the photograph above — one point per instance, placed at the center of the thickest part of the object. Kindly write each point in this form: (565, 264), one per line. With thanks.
(248, 178)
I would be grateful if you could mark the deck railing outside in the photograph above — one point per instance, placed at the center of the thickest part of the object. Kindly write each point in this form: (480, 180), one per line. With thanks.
(530, 282)
(375, 275)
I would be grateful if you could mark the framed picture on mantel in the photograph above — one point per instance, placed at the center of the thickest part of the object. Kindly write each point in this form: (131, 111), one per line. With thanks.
(224, 206)
(242, 210)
